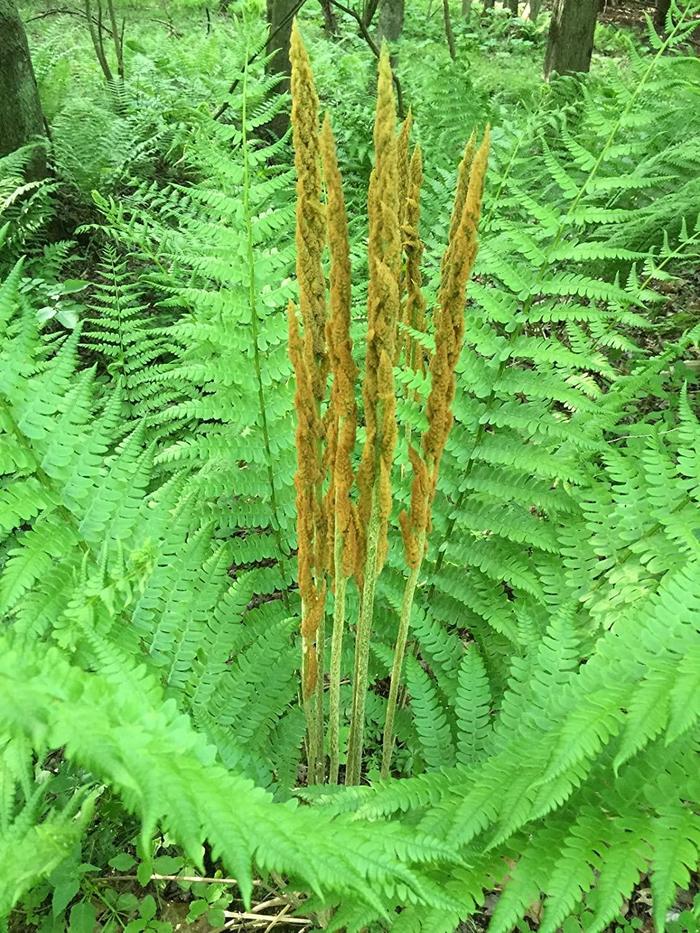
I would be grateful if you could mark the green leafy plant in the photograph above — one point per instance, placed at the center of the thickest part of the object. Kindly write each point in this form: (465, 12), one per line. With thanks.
(546, 725)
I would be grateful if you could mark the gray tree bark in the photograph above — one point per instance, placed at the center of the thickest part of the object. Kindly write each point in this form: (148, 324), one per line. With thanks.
(489, 4)
(571, 32)
(279, 21)
(513, 7)
(390, 24)
(21, 119)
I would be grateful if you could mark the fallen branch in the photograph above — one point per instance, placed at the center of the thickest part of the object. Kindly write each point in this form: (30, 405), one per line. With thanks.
(185, 879)
(235, 916)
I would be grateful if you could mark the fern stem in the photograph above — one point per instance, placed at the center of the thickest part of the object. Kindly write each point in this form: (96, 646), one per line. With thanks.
(254, 323)
(399, 653)
(341, 583)
(310, 704)
(320, 775)
(363, 637)
(339, 599)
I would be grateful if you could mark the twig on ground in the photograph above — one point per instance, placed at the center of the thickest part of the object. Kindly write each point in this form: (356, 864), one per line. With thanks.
(235, 916)
(185, 879)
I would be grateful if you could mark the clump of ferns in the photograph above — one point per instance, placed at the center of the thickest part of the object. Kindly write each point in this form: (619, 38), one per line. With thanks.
(343, 513)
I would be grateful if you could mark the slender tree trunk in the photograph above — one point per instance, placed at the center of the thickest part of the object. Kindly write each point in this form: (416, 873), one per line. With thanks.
(660, 13)
(330, 20)
(466, 8)
(489, 4)
(449, 34)
(390, 25)
(21, 118)
(279, 20)
(118, 37)
(513, 7)
(571, 32)
(95, 29)
(532, 10)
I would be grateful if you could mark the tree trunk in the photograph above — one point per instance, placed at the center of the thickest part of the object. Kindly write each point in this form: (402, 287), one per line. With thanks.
(532, 10)
(279, 20)
(390, 23)
(571, 33)
(449, 34)
(466, 8)
(513, 7)
(330, 20)
(660, 13)
(21, 118)
(489, 4)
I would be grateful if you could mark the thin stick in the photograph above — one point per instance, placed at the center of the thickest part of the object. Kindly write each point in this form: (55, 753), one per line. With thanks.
(449, 33)
(184, 879)
(241, 915)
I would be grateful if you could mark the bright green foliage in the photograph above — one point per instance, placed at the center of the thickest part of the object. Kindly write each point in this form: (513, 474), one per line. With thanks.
(472, 708)
(547, 741)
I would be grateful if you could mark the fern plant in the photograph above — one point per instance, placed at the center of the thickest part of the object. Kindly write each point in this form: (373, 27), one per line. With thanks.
(584, 781)
(547, 732)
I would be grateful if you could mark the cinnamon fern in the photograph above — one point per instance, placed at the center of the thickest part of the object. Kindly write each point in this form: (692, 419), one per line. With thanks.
(337, 555)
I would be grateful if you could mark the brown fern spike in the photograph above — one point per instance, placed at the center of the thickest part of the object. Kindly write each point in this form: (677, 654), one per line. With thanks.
(342, 522)
(343, 407)
(306, 440)
(311, 225)
(413, 248)
(384, 255)
(449, 335)
(403, 166)
(463, 176)
(374, 475)
(311, 366)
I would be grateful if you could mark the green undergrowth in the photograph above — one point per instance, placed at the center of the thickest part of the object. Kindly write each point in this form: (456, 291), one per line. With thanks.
(150, 723)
